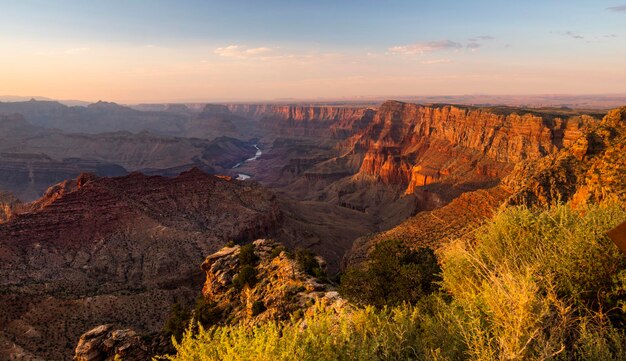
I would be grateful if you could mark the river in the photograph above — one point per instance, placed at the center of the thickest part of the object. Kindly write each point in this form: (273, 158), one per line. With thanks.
(242, 176)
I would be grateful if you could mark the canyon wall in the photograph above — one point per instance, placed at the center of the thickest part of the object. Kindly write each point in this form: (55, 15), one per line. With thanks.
(304, 120)
(419, 145)
(119, 250)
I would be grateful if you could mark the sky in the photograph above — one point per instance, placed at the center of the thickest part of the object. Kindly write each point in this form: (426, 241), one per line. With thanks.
(234, 50)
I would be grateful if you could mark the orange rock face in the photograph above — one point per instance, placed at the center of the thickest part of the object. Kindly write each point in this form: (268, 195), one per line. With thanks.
(419, 145)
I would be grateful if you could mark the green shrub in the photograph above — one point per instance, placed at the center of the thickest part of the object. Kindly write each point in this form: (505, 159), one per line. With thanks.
(246, 276)
(247, 255)
(277, 251)
(206, 312)
(177, 322)
(362, 334)
(308, 263)
(258, 307)
(534, 284)
(392, 274)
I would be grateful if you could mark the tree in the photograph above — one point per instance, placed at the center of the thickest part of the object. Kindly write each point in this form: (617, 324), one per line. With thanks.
(392, 274)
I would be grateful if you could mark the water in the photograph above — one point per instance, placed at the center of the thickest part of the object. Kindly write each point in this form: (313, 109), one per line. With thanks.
(243, 176)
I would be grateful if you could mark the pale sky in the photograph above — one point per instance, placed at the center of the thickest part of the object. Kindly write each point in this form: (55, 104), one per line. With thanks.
(165, 51)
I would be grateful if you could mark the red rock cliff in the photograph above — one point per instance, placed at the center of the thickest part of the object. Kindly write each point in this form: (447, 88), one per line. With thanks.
(418, 145)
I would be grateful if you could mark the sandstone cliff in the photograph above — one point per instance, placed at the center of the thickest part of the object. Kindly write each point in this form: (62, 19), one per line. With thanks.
(592, 168)
(419, 145)
(586, 165)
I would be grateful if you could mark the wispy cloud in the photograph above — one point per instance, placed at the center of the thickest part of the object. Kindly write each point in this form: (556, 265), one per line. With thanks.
(570, 34)
(473, 46)
(241, 51)
(425, 47)
(76, 51)
(476, 39)
(617, 9)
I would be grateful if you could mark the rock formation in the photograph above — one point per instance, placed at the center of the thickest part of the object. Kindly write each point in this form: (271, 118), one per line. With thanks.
(117, 250)
(104, 344)
(586, 165)
(282, 286)
(419, 145)
(592, 168)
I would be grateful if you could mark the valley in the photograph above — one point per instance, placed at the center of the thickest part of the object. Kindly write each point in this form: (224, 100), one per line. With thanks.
(100, 224)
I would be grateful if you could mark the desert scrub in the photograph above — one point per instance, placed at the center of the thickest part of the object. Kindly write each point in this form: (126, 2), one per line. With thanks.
(393, 274)
(247, 255)
(323, 334)
(247, 276)
(534, 284)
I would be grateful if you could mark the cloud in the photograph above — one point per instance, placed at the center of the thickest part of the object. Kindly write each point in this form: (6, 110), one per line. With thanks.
(481, 38)
(473, 46)
(570, 34)
(241, 51)
(75, 51)
(425, 47)
(617, 9)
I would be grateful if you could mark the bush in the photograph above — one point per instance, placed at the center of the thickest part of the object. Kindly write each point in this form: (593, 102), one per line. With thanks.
(247, 255)
(363, 334)
(308, 263)
(393, 274)
(535, 283)
(206, 312)
(177, 322)
(277, 251)
(258, 307)
(246, 276)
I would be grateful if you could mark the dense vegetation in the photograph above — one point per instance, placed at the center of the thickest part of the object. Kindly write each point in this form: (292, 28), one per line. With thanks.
(530, 285)
(392, 275)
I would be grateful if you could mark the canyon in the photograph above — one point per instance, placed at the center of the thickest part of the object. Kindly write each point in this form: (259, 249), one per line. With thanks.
(95, 250)
(107, 211)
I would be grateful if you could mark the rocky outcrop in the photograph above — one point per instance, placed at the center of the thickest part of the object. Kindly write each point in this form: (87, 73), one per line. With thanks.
(119, 250)
(282, 286)
(9, 205)
(103, 343)
(592, 168)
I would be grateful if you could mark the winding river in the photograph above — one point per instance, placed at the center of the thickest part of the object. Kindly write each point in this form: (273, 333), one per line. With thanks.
(242, 176)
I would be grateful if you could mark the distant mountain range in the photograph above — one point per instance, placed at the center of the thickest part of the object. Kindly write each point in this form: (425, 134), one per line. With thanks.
(580, 101)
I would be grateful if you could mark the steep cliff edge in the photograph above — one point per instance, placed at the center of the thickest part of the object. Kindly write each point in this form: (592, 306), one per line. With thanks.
(116, 250)
(592, 168)
(420, 145)
(589, 168)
